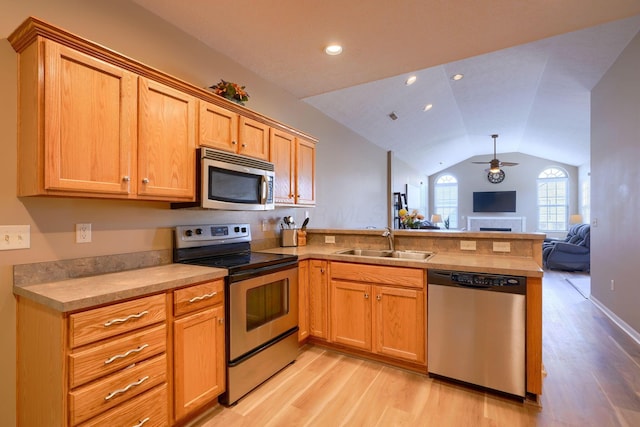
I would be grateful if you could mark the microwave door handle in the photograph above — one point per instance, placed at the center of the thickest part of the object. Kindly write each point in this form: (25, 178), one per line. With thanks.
(263, 200)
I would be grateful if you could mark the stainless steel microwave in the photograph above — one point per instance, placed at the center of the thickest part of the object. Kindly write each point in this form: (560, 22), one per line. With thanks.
(231, 182)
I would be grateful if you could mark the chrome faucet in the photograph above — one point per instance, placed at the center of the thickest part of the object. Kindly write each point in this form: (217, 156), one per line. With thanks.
(389, 234)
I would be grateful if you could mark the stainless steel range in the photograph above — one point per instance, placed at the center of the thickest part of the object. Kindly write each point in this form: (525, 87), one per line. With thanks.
(261, 301)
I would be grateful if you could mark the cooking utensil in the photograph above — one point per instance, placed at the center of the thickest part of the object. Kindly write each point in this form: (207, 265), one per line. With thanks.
(286, 221)
(304, 224)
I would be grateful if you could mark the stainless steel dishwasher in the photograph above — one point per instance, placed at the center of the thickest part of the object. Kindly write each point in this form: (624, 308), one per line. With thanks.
(476, 329)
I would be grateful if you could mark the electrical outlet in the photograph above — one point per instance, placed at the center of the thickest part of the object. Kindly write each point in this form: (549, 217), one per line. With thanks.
(329, 239)
(15, 237)
(467, 245)
(501, 247)
(83, 233)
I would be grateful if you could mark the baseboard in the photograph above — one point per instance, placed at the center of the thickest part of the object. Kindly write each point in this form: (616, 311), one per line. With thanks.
(618, 321)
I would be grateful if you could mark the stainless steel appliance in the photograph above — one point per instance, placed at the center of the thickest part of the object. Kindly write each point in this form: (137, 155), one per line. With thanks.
(231, 182)
(261, 301)
(476, 329)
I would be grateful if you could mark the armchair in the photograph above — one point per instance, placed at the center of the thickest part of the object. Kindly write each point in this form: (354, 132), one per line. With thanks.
(572, 254)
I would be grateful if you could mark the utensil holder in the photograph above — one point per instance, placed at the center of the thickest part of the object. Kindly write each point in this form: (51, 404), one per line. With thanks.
(289, 237)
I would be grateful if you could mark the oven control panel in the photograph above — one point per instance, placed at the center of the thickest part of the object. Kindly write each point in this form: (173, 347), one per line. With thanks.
(211, 234)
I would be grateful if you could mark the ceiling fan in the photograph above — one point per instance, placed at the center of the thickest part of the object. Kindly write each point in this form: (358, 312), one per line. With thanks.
(495, 164)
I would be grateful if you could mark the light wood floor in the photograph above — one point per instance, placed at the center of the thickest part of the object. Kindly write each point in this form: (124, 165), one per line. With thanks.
(593, 379)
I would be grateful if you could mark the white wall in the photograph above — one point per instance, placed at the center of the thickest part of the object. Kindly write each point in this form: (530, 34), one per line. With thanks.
(522, 178)
(615, 177)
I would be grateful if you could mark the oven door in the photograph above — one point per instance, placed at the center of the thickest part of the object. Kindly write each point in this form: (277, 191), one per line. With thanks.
(261, 309)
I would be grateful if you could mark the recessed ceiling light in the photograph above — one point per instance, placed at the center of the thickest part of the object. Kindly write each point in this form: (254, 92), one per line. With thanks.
(457, 77)
(428, 107)
(333, 49)
(411, 80)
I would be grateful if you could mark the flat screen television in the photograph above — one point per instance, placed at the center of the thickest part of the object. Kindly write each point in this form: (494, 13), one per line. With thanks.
(494, 201)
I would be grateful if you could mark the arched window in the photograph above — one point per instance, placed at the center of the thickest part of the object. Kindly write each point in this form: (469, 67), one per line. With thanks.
(445, 195)
(553, 200)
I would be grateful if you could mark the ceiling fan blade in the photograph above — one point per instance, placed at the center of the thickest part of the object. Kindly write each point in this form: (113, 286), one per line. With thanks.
(481, 163)
(508, 164)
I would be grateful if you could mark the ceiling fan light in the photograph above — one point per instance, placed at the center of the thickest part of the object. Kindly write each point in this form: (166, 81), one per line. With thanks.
(411, 80)
(494, 169)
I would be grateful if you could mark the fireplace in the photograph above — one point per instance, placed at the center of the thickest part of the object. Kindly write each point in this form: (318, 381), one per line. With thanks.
(514, 224)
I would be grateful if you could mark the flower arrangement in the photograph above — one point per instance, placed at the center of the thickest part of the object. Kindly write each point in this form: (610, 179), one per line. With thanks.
(410, 220)
(232, 91)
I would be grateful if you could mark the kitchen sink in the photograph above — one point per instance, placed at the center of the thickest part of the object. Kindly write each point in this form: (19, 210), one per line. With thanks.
(410, 255)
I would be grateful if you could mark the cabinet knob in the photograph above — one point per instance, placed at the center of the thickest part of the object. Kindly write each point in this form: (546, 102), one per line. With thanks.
(221, 320)
(126, 178)
(379, 297)
(366, 295)
(145, 180)
(234, 143)
(322, 270)
(244, 145)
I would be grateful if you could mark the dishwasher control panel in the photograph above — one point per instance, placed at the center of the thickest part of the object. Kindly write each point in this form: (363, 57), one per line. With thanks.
(494, 282)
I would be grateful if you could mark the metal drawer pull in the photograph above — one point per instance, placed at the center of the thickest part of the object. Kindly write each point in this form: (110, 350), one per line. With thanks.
(120, 356)
(201, 297)
(124, 319)
(143, 422)
(124, 390)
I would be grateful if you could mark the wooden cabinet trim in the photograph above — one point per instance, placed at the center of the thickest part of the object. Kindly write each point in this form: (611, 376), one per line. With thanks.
(379, 274)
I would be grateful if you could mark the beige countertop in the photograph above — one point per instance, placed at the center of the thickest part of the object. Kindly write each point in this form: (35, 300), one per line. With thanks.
(496, 264)
(81, 293)
(76, 294)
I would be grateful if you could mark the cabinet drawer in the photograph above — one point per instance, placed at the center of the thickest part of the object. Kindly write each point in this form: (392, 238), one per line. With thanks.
(196, 297)
(385, 275)
(103, 359)
(95, 398)
(93, 325)
(149, 410)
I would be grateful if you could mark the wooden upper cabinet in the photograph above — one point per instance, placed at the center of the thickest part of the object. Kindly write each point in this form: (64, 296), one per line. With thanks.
(83, 137)
(282, 155)
(225, 130)
(218, 127)
(305, 172)
(166, 142)
(294, 161)
(253, 138)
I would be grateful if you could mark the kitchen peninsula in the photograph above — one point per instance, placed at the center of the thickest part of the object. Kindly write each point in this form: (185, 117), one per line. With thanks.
(68, 310)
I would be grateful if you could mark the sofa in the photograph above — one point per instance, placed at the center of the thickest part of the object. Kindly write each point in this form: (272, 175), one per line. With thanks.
(570, 254)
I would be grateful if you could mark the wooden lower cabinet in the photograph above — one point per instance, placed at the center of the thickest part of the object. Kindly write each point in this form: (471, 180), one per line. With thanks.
(198, 347)
(318, 299)
(385, 319)
(131, 363)
(303, 300)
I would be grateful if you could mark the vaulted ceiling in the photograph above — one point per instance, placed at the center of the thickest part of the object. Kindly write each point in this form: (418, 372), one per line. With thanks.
(528, 66)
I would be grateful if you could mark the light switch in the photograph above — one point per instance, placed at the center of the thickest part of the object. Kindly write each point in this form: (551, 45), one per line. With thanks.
(15, 237)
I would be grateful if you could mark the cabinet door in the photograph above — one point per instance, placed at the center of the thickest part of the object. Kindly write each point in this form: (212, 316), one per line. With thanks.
(303, 300)
(89, 124)
(305, 173)
(218, 127)
(282, 155)
(399, 324)
(166, 143)
(351, 314)
(198, 360)
(253, 138)
(318, 299)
